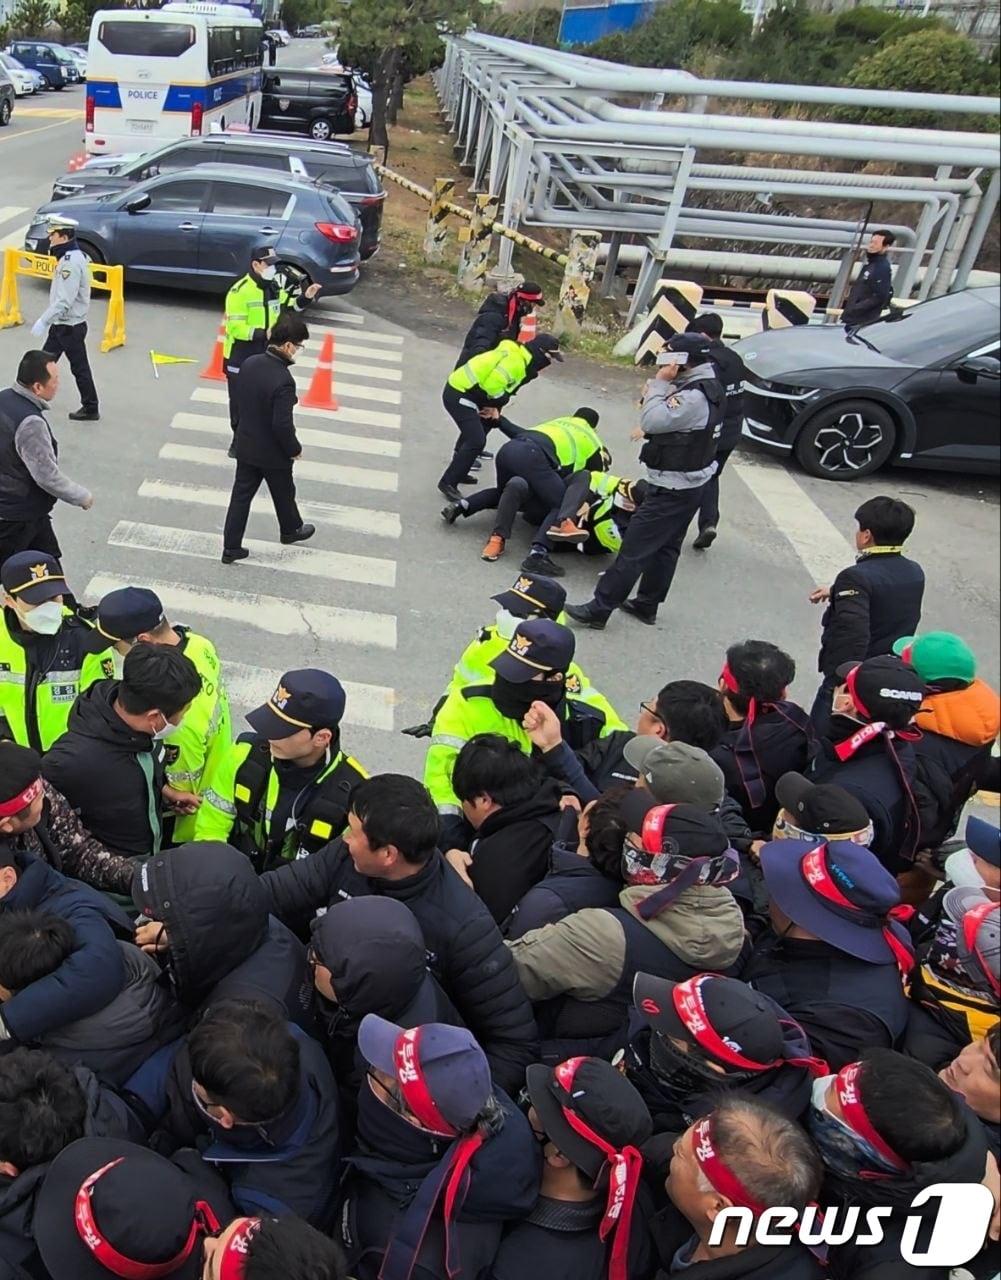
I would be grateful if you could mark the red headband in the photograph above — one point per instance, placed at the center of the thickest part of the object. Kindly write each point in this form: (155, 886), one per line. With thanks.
(653, 828)
(233, 1263)
(21, 801)
(850, 680)
(847, 1084)
(971, 927)
(625, 1168)
(204, 1223)
(818, 877)
(416, 1094)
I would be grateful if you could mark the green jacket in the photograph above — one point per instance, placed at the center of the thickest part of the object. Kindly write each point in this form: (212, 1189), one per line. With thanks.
(497, 373)
(251, 312)
(205, 735)
(578, 446)
(35, 701)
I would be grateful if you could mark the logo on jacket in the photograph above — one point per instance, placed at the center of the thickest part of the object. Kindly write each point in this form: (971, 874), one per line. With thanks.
(572, 684)
(107, 668)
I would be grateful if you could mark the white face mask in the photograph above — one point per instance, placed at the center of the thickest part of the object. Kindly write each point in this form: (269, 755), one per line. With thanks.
(962, 870)
(268, 273)
(167, 731)
(819, 1093)
(118, 663)
(45, 619)
(506, 623)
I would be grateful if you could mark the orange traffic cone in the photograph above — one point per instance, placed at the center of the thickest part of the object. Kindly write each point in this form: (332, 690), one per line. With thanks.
(214, 371)
(321, 389)
(529, 327)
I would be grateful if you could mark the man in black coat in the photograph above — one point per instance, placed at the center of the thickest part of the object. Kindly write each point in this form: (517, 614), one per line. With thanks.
(389, 849)
(265, 443)
(731, 371)
(500, 317)
(873, 289)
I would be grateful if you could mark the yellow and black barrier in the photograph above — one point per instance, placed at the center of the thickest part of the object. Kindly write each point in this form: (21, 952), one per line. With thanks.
(436, 230)
(675, 303)
(17, 262)
(786, 308)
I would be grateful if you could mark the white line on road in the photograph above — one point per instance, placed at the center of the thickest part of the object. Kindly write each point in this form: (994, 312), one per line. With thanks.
(818, 542)
(369, 706)
(342, 414)
(274, 614)
(355, 391)
(328, 319)
(348, 366)
(326, 472)
(378, 524)
(9, 211)
(319, 325)
(319, 439)
(393, 356)
(268, 555)
(15, 239)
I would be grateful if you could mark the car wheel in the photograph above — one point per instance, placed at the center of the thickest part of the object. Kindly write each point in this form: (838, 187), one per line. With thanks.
(4, 113)
(847, 440)
(321, 130)
(91, 251)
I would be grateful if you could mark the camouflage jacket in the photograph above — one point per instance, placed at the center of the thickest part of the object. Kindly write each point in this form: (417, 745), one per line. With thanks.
(64, 842)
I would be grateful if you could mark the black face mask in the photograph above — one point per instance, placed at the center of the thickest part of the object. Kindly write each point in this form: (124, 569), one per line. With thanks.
(513, 700)
(683, 1075)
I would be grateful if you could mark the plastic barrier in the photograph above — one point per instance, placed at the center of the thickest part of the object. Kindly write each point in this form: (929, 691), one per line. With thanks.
(785, 308)
(17, 262)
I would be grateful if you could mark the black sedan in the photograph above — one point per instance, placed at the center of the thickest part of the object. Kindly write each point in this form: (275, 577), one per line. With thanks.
(920, 389)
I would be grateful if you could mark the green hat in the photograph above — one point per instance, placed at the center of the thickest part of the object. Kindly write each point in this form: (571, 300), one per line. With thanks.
(938, 655)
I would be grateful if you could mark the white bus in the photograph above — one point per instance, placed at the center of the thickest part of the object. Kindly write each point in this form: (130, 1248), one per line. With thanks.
(174, 72)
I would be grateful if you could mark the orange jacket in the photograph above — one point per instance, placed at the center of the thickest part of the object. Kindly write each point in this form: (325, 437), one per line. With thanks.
(971, 715)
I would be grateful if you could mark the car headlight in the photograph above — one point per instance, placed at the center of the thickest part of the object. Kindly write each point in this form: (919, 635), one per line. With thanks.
(780, 391)
(67, 188)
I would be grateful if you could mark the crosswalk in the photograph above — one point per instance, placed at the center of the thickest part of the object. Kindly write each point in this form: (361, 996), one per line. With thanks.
(328, 602)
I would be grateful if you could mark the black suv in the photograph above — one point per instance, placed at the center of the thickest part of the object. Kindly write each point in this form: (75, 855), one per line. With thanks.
(333, 163)
(320, 103)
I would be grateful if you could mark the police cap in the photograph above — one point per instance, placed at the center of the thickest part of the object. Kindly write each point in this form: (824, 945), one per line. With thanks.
(128, 612)
(264, 253)
(58, 223)
(532, 596)
(308, 699)
(537, 645)
(33, 576)
(693, 348)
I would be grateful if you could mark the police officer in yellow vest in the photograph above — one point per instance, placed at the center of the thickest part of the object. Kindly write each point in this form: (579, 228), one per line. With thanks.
(253, 305)
(48, 654)
(476, 392)
(282, 792)
(205, 736)
(593, 516)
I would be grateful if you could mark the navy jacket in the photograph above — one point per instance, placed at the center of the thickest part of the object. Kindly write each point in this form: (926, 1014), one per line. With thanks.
(572, 883)
(871, 292)
(511, 850)
(874, 602)
(91, 976)
(753, 758)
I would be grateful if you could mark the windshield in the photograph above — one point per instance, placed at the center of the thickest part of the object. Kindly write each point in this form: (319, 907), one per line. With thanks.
(932, 331)
(63, 56)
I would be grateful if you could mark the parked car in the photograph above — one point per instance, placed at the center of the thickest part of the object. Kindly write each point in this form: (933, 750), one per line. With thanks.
(363, 112)
(49, 59)
(79, 56)
(319, 103)
(920, 389)
(312, 32)
(350, 173)
(7, 96)
(20, 77)
(195, 228)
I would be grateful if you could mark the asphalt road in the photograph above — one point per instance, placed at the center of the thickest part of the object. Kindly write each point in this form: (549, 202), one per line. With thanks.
(385, 595)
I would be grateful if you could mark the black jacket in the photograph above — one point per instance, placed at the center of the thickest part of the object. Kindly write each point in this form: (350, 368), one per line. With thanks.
(870, 293)
(672, 1232)
(223, 943)
(511, 850)
(572, 883)
(948, 772)
(465, 950)
(111, 774)
(731, 372)
(874, 602)
(265, 397)
(753, 758)
(490, 327)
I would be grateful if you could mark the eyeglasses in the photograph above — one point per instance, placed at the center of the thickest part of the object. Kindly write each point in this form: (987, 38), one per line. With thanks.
(651, 711)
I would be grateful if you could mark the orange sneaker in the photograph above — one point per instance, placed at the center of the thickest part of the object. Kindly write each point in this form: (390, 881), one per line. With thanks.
(567, 531)
(494, 548)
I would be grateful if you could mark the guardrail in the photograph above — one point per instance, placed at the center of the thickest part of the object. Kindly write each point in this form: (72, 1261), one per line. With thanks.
(18, 262)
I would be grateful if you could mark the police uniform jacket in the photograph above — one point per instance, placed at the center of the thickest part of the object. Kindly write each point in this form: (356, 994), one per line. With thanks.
(731, 371)
(873, 603)
(265, 396)
(69, 293)
(685, 411)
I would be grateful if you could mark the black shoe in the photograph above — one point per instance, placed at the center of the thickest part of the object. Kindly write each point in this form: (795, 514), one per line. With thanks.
(631, 607)
(469, 480)
(585, 615)
(450, 492)
(705, 539)
(237, 553)
(85, 415)
(231, 452)
(452, 512)
(536, 563)
(301, 534)
(486, 454)
(475, 465)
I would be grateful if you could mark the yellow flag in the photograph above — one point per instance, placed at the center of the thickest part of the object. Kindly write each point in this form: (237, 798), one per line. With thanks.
(156, 358)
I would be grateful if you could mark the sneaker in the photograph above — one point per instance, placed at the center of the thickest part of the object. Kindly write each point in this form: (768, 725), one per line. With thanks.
(567, 531)
(84, 415)
(302, 534)
(469, 480)
(486, 454)
(230, 555)
(452, 512)
(536, 563)
(631, 607)
(475, 465)
(494, 548)
(585, 615)
(450, 492)
(705, 539)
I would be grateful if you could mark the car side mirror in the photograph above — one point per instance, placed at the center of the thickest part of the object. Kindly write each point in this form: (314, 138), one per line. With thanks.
(138, 203)
(974, 367)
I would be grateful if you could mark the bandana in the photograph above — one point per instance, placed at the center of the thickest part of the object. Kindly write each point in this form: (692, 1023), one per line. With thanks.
(233, 1263)
(752, 777)
(821, 882)
(624, 1170)
(790, 831)
(21, 801)
(847, 1085)
(660, 861)
(117, 1264)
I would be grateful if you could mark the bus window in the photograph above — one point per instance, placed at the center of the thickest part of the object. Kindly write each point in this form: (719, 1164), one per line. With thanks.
(222, 50)
(147, 39)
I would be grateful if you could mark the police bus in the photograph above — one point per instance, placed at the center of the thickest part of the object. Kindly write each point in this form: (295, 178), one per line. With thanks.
(174, 72)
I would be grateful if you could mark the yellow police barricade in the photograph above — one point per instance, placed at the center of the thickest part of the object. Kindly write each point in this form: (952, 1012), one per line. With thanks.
(17, 262)
(675, 303)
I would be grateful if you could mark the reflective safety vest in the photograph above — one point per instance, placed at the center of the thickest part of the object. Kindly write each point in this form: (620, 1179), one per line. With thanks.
(576, 442)
(497, 373)
(601, 517)
(474, 666)
(205, 736)
(241, 795)
(35, 701)
(249, 308)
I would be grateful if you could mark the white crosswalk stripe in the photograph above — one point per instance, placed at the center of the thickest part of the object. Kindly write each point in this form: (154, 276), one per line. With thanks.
(367, 705)
(353, 390)
(9, 211)
(342, 414)
(317, 325)
(347, 366)
(319, 439)
(328, 472)
(389, 355)
(15, 239)
(330, 319)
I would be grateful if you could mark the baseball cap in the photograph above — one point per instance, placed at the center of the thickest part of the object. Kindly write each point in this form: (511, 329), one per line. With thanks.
(984, 839)
(111, 1208)
(530, 291)
(675, 772)
(538, 644)
(687, 348)
(264, 253)
(978, 935)
(938, 655)
(307, 699)
(884, 688)
(531, 594)
(125, 613)
(841, 893)
(822, 809)
(546, 344)
(600, 1096)
(33, 576)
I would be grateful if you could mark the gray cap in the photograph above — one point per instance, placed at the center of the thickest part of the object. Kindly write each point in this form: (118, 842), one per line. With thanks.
(676, 773)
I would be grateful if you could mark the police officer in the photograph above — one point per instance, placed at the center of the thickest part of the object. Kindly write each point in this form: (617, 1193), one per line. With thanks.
(282, 791)
(204, 737)
(65, 317)
(47, 653)
(681, 423)
(253, 305)
(476, 392)
(594, 515)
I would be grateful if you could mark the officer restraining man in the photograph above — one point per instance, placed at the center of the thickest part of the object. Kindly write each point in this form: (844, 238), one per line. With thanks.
(65, 317)
(253, 305)
(282, 792)
(681, 422)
